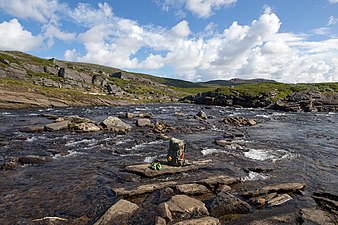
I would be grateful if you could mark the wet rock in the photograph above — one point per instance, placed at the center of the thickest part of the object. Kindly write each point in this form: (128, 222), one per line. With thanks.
(160, 127)
(84, 127)
(118, 213)
(143, 189)
(143, 122)
(114, 124)
(160, 221)
(49, 116)
(139, 115)
(219, 180)
(316, 216)
(229, 145)
(184, 207)
(32, 159)
(279, 199)
(50, 221)
(225, 203)
(240, 121)
(164, 211)
(192, 189)
(224, 188)
(202, 115)
(32, 129)
(145, 171)
(200, 221)
(63, 125)
(291, 218)
(327, 200)
(286, 187)
(12, 165)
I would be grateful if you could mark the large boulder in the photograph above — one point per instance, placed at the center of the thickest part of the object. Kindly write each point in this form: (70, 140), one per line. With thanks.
(114, 124)
(118, 213)
(182, 207)
(225, 203)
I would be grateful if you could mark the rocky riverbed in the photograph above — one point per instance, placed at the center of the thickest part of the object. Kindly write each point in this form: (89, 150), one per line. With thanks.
(245, 166)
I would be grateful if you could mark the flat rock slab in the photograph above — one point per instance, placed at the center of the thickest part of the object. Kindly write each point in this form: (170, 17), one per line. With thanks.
(200, 221)
(145, 171)
(286, 187)
(192, 189)
(219, 180)
(143, 189)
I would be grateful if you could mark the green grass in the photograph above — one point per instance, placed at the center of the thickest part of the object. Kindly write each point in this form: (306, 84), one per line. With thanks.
(44, 75)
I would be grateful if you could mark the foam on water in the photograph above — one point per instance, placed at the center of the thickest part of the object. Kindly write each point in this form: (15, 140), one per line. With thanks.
(143, 145)
(70, 154)
(266, 154)
(209, 151)
(91, 142)
(255, 176)
(263, 116)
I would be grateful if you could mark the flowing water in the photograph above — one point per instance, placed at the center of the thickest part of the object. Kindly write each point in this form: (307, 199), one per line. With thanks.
(83, 168)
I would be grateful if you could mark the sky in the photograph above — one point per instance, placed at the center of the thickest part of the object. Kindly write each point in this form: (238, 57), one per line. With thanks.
(288, 41)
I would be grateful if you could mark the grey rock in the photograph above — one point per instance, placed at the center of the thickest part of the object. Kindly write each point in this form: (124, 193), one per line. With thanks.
(143, 122)
(99, 80)
(120, 210)
(240, 121)
(57, 126)
(143, 189)
(139, 115)
(164, 211)
(316, 216)
(114, 124)
(219, 180)
(200, 221)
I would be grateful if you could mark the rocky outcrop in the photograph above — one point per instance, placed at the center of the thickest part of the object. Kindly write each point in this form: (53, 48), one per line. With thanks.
(308, 102)
(118, 213)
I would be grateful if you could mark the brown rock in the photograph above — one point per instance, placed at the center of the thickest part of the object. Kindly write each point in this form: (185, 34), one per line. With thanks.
(219, 180)
(192, 189)
(279, 199)
(224, 188)
(163, 211)
(160, 221)
(32, 159)
(120, 209)
(143, 189)
(85, 127)
(182, 206)
(200, 221)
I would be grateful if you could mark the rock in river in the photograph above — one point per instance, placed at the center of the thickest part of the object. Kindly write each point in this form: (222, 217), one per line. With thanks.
(117, 214)
(143, 122)
(57, 126)
(116, 125)
(84, 127)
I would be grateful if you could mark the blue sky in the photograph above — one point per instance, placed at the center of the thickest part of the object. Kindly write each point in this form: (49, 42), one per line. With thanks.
(197, 40)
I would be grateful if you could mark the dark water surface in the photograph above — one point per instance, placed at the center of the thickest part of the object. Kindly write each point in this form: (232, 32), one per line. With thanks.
(77, 182)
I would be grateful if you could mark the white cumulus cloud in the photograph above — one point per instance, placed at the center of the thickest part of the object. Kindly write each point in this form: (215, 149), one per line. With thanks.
(39, 10)
(14, 37)
(201, 8)
(333, 1)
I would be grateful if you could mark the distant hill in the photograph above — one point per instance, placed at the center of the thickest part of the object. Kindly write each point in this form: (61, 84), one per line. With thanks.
(237, 81)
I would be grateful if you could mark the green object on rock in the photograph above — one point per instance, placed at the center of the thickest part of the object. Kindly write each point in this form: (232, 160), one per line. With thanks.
(156, 166)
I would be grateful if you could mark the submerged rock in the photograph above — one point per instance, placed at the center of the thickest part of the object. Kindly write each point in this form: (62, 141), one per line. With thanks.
(225, 203)
(32, 159)
(118, 213)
